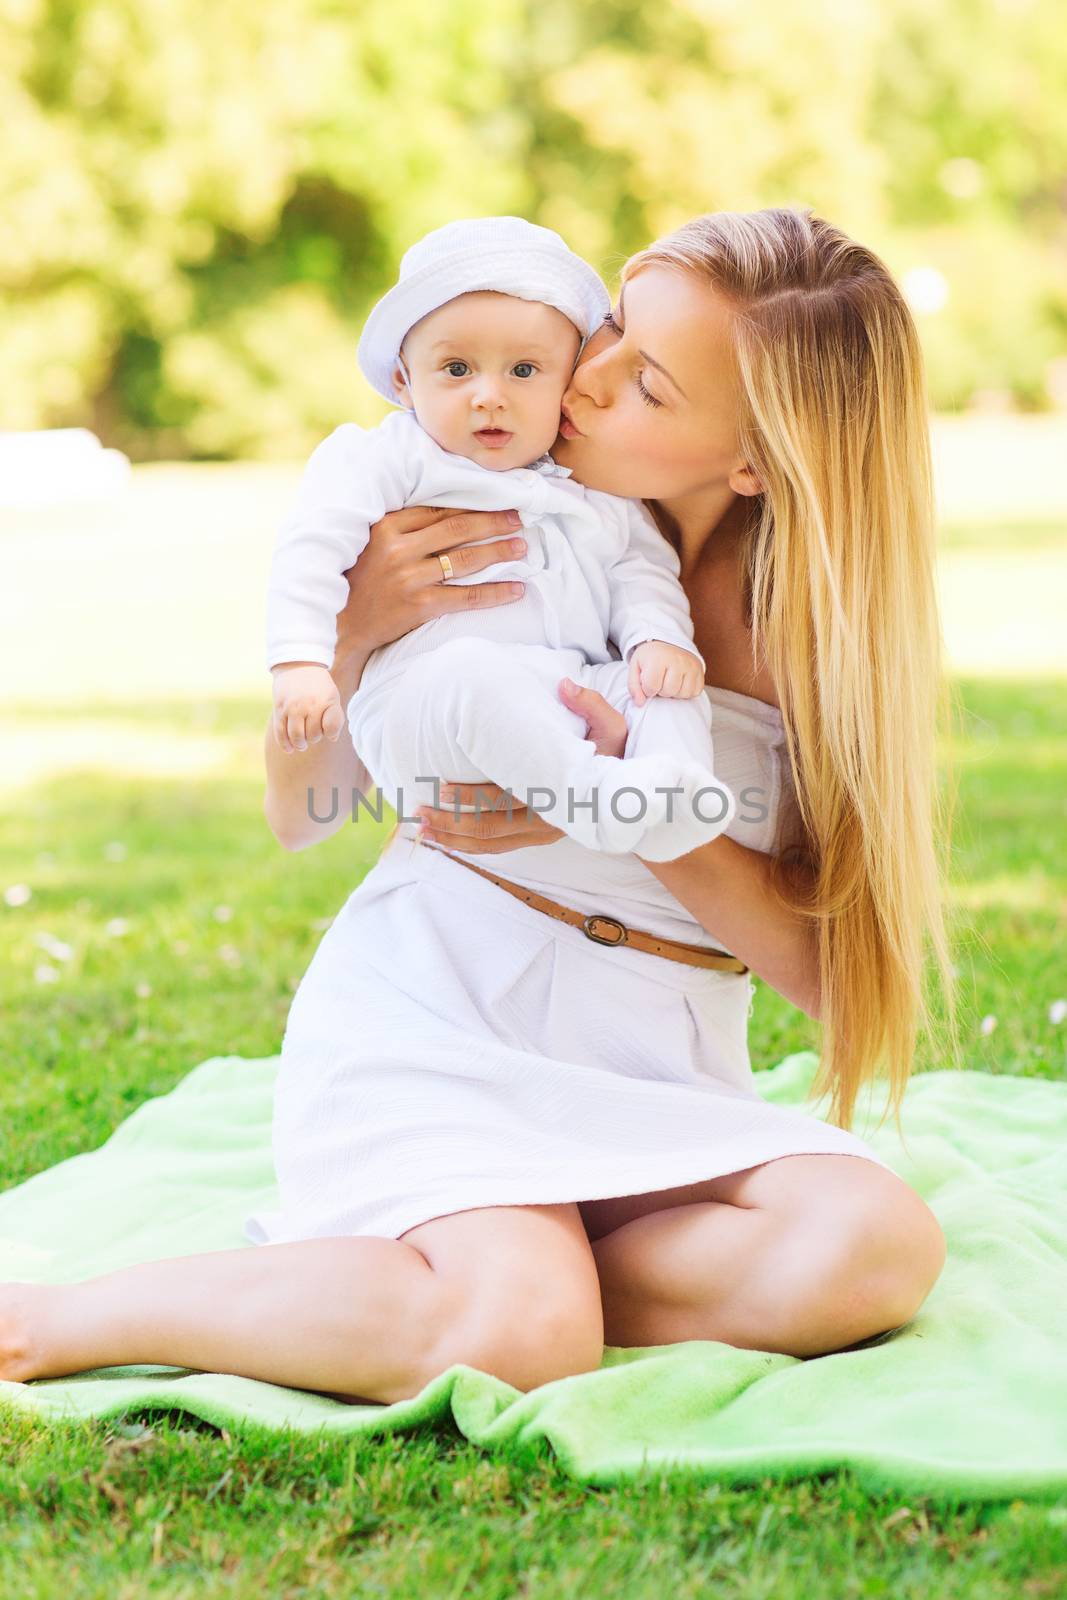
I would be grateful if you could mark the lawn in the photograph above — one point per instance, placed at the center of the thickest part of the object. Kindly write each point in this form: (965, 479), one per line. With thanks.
(165, 925)
(187, 928)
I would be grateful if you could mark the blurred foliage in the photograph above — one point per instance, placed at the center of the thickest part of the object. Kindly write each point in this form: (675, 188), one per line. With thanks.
(201, 201)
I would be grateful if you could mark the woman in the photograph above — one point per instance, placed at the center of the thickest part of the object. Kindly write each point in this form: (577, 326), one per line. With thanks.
(760, 385)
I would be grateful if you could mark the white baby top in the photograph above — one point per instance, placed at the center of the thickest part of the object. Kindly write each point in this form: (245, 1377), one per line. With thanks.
(596, 569)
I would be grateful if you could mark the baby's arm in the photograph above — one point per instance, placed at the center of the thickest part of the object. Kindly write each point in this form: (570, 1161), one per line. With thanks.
(650, 619)
(352, 478)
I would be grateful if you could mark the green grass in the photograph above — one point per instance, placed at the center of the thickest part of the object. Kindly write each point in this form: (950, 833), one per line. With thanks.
(172, 1507)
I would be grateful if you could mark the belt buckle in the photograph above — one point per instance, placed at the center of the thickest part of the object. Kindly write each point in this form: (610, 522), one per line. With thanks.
(600, 938)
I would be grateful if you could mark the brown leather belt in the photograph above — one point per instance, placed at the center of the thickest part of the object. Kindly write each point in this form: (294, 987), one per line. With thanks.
(602, 929)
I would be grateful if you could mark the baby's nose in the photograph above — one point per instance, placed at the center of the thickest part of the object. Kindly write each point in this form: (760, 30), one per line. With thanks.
(489, 393)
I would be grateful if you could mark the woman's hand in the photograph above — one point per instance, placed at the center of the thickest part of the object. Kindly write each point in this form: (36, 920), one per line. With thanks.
(397, 583)
(490, 830)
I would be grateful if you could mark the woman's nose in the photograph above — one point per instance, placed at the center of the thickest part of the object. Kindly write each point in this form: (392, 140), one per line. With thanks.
(590, 378)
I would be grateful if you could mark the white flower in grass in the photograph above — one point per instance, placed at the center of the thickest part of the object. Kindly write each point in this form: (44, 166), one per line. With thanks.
(45, 974)
(987, 1025)
(1057, 1012)
(115, 850)
(57, 949)
(116, 927)
(223, 913)
(230, 955)
(142, 990)
(17, 894)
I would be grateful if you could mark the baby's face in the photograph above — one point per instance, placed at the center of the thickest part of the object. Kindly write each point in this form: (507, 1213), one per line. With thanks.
(488, 372)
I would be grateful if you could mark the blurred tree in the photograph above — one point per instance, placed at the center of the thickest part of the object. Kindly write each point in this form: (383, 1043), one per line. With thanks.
(201, 202)
(969, 103)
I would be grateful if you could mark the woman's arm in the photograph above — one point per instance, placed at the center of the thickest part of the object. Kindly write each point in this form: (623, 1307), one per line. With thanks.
(394, 586)
(730, 890)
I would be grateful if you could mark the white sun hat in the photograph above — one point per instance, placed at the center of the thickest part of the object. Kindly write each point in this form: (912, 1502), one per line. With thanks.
(503, 253)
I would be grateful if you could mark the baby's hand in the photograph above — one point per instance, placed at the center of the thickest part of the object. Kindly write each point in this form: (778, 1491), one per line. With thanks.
(307, 704)
(658, 669)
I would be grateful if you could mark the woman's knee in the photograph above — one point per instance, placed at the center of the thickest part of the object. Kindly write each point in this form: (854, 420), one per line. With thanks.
(907, 1244)
(558, 1338)
(883, 1254)
(516, 1295)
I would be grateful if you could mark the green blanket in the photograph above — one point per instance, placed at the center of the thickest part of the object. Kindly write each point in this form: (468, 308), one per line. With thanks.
(970, 1398)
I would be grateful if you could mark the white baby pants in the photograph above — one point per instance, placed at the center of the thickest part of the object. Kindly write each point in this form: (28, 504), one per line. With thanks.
(474, 710)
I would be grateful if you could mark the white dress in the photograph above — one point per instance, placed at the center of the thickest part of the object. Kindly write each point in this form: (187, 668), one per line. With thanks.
(449, 1047)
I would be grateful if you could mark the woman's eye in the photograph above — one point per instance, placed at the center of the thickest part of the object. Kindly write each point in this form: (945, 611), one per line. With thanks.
(457, 369)
(649, 399)
(609, 322)
(523, 369)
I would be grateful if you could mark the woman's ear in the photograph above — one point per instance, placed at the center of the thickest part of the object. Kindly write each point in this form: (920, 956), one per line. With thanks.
(743, 480)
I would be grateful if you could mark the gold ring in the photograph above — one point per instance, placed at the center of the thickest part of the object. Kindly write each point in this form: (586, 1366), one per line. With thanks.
(446, 566)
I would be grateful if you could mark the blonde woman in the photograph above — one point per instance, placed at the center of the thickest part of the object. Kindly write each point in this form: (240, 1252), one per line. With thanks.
(759, 385)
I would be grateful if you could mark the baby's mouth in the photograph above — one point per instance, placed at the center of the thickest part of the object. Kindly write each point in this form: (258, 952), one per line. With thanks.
(495, 438)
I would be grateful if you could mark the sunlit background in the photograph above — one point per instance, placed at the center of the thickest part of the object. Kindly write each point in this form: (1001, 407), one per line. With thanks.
(199, 201)
(199, 204)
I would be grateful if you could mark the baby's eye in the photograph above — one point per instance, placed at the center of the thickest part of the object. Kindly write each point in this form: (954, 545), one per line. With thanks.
(524, 369)
(452, 366)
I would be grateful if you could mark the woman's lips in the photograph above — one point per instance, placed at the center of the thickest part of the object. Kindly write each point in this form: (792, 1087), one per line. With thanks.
(567, 428)
(494, 438)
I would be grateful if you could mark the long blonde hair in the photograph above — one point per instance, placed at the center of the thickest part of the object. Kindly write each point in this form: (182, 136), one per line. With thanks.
(839, 565)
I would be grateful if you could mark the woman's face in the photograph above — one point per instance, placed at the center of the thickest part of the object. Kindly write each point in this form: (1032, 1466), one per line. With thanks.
(652, 404)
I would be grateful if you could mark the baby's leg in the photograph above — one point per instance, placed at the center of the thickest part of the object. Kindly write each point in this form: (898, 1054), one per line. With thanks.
(678, 729)
(476, 711)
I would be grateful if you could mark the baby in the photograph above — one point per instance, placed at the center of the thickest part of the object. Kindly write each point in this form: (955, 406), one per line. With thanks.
(477, 342)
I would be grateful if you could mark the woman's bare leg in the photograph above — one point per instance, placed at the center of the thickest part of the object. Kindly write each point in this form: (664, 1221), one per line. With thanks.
(802, 1255)
(362, 1317)
(344, 1314)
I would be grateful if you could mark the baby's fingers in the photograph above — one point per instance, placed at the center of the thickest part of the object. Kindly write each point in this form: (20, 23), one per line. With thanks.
(633, 682)
(333, 721)
(692, 681)
(294, 727)
(652, 681)
(280, 733)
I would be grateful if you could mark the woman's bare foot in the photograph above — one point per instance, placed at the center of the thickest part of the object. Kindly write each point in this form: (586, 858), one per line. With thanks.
(21, 1308)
